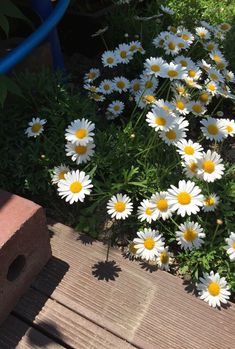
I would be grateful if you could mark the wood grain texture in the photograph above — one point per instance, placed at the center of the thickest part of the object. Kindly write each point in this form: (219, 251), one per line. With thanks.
(149, 310)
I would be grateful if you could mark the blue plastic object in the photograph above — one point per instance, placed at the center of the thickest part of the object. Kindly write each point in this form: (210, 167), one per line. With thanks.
(51, 17)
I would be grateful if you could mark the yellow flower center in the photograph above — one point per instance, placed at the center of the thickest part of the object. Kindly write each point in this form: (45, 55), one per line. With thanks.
(162, 205)
(91, 75)
(192, 73)
(161, 42)
(193, 166)
(233, 246)
(184, 63)
(61, 174)
(80, 149)
(212, 129)
(155, 68)
(171, 134)
(208, 166)
(181, 90)
(133, 48)
(216, 58)
(149, 243)
(81, 133)
(190, 234)
(213, 289)
(213, 76)
(172, 73)
(120, 206)
(123, 54)
(136, 87)
(75, 187)
(204, 97)
(110, 60)
(197, 108)
(180, 44)
(166, 108)
(229, 128)
(180, 105)
(116, 107)
(106, 87)
(211, 87)
(173, 29)
(36, 127)
(184, 36)
(148, 84)
(189, 150)
(202, 35)
(210, 46)
(209, 201)
(132, 248)
(171, 45)
(149, 99)
(220, 65)
(184, 198)
(121, 84)
(164, 257)
(160, 121)
(148, 211)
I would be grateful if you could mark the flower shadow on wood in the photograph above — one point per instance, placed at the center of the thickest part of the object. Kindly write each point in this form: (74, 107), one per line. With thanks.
(107, 270)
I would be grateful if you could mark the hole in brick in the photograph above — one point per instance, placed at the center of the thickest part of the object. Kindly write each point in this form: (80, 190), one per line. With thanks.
(16, 268)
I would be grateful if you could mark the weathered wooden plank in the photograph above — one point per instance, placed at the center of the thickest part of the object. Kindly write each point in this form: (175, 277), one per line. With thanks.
(16, 334)
(149, 310)
(65, 325)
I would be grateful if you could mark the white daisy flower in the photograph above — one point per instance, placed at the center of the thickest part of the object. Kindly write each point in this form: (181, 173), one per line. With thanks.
(167, 10)
(121, 84)
(119, 206)
(215, 75)
(97, 97)
(210, 202)
(131, 251)
(80, 132)
(205, 97)
(136, 46)
(210, 166)
(165, 105)
(160, 119)
(186, 199)
(210, 46)
(109, 59)
(194, 72)
(176, 133)
(148, 83)
(189, 150)
(204, 65)
(59, 172)
(213, 129)
(222, 64)
(75, 186)
(123, 53)
(92, 75)
(229, 76)
(181, 105)
(185, 35)
(161, 205)
(197, 108)
(229, 126)
(35, 127)
(190, 235)
(146, 211)
(230, 247)
(154, 66)
(174, 71)
(224, 27)
(143, 98)
(89, 87)
(216, 56)
(184, 61)
(149, 244)
(179, 89)
(80, 153)
(135, 86)
(171, 45)
(203, 33)
(190, 168)
(106, 87)
(191, 83)
(159, 40)
(213, 289)
(164, 259)
(212, 87)
(116, 107)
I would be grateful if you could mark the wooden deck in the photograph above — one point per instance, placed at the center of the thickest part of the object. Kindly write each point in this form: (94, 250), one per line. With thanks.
(79, 301)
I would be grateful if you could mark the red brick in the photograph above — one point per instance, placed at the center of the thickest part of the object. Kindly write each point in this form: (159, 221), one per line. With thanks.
(24, 239)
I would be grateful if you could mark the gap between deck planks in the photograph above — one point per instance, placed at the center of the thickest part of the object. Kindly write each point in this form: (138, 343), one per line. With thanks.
(148, 310)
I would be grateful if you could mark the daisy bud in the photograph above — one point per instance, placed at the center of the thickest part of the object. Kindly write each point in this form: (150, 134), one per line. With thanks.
(126, 35)
(136, 36)
(220, 113)
(132, 135)
(219, 222)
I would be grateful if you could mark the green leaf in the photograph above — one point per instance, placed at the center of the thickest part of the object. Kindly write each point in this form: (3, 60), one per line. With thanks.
(8, 9)
(13, 87)
(3, 92)
(4, 24)
(7, 84)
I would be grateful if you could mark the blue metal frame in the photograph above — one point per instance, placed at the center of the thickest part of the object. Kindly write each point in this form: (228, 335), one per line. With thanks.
(51, 17)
